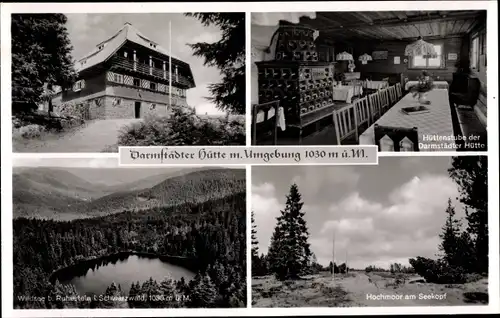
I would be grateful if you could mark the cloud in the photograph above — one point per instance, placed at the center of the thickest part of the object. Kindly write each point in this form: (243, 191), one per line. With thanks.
(406, 227)
(206, 37)
(371, 226)
(266, 208)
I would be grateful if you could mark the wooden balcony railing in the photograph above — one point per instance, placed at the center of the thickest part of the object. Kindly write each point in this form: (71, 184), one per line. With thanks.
(128, 64)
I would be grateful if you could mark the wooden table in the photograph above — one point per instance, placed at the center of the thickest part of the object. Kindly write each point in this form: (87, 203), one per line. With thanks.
(345, 93)
(376, 84)
(432, 126)
(438, 84)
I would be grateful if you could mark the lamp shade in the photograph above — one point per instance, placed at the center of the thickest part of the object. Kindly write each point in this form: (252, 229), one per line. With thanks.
(344, 56)
(420, 48)
(365, 57)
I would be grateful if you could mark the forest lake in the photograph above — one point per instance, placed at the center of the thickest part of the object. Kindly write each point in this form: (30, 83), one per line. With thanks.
(92, 277)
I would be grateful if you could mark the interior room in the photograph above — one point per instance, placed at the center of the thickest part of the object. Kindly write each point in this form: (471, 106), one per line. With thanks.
(401, 80)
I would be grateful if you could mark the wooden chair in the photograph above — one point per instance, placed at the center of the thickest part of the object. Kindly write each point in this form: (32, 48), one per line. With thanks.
(268, 127)
(396, 138)
(363, 112)
(375, 110)
(346, 123)
(392, 95)
(399, 92)
(384, 99)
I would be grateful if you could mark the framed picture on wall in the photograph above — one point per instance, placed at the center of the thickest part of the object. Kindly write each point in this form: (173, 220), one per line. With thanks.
(380, 55)
(452, 56)
(397, 60)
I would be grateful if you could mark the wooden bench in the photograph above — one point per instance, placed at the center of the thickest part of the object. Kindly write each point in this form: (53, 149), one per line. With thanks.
(472, 122)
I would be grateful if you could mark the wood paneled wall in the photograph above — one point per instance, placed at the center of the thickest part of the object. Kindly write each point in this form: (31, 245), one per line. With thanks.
(397, 48)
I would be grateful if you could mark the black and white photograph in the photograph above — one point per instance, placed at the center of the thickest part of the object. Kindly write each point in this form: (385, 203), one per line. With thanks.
(88, 82)
(90, 234)
(401, 80)
(356, 236)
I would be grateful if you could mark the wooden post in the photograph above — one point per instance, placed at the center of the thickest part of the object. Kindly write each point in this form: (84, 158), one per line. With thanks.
(150, 65)
(170, 64)
(176, 74)
(333, 258)
(135, 61)
(164, 70)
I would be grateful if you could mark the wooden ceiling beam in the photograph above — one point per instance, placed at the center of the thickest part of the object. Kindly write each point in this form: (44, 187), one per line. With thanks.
(396, 21)
(401, 15)
(408, 39)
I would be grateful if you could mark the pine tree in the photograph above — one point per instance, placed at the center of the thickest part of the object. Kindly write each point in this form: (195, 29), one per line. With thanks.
(168, 293)
(133, 293)
(41, 58)
(471, 175)
(203, 292)
(255, 242)
(114, 297)
(449, 237)
(289, 251)
(228, 55)
(256, 266)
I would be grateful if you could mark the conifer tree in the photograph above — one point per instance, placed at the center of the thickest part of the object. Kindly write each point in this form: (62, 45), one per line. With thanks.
(41, 58)
(255, 242)
(133, 294)
(450, 237)
(471, 175)
(228, 55)
(203, 292)
(168, 294)
(114, 297)
(289, 251)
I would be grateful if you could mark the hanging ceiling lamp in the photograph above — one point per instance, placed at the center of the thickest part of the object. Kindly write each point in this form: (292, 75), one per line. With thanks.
(344, 56)
(365, 58)
(420, 47)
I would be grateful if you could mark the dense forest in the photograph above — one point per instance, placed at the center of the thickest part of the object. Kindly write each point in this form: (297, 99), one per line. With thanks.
(212, 233)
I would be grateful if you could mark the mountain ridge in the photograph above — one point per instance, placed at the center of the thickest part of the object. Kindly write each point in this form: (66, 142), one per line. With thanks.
(33, 198)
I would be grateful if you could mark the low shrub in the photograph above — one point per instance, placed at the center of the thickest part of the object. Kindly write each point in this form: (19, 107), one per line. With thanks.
(184, 129)
(31, 131)
(32, 125)
(438, 272)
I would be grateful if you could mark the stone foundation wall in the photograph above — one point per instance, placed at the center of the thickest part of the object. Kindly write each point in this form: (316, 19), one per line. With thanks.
(125, 108)
(104, 106)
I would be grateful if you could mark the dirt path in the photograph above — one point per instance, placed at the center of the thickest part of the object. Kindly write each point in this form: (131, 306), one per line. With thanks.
(361, 289)
(95, 136)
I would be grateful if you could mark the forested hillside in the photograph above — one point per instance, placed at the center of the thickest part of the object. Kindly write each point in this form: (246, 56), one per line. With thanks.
(59, 194)
(212, 232)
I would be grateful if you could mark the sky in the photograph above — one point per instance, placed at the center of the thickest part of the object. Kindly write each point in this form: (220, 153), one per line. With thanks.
(378, 214)
(100, 170)
(87, 30)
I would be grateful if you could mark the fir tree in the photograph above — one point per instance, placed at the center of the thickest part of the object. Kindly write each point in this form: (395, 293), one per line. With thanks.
(133, 294)
(289, 251)
(114, 297)
(41, 58)
(471, 175)
(203, 292)
(256, 266)
(168, 294)
(449, 237)
(255, 242)
(228, 55)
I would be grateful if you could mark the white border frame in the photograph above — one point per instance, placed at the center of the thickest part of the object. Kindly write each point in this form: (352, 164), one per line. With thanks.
(7, 156)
